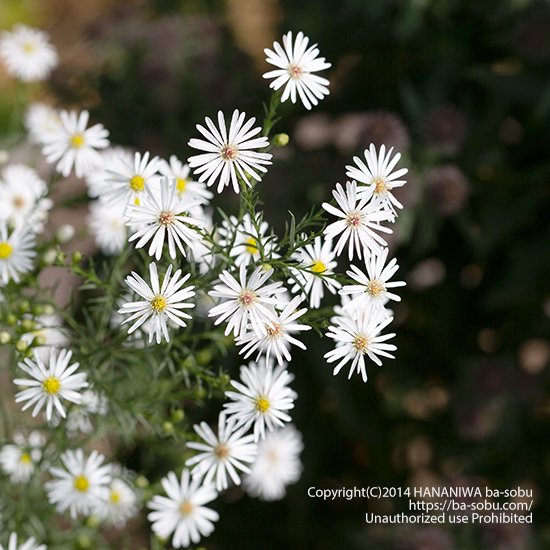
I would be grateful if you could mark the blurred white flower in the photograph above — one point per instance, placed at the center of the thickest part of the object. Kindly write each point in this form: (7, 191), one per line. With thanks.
(16, 253)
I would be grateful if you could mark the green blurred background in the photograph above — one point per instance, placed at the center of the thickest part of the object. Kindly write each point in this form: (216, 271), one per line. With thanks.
(462, 89)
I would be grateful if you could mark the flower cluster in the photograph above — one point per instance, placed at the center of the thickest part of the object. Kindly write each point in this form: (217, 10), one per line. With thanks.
(193, 281)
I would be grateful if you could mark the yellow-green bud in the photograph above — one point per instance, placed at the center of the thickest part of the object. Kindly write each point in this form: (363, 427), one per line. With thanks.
(65, 233)
(38, 309)
(77, 257)
(21, 345)
(280, 140)
(142, 482)
(178, 415)
(92, 521)
(266, 266)
(4, 337)
(168, 427)
(11, 319)
(27, 324)
(60, 257)
(49, 309)
(203, 357)
(40, 340)
(24, 306)
(84, 541)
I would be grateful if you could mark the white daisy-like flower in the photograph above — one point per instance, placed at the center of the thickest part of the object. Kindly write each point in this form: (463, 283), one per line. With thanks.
(106, 224)
(226, 453)
(41, 121)
(27, 53)
(277, 464)
(372, 287)
(19, 460)
(120, 506)
(262, 398)
(378, 176)
(73, 144)
(360, 222)
(128, 179)
(247, 239)
(278, 337)
(160, 304)
(163, 215)
(186, 188)
(182, 512)
(358, 334)
(245, 302)
(81, 484)
(317, 265)
(296, 63)
(50, 383)
(22, 199)
(16, 253)
(229, 154)
(29, 544)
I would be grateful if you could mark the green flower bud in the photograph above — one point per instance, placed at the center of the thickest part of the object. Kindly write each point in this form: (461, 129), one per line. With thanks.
(11, 319)
(93, 522)
(178, 415)
(65, 233)
(142, 482)
(49, 256)
(168, 428)
(280, 140)
(77, 257)
(49, 309)
(27, 324)
(4, 337)
(21, 345)
(40, 340)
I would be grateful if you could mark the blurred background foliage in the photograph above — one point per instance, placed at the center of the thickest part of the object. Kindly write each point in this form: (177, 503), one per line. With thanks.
(459, 87)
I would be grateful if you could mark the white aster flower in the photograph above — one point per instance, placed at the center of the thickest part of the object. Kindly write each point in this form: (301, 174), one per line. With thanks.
(27, 53)
(163, 215)
(29, 544)
(359, 224)
(229, 154)
(120, 506)
(19, 459)
(358, 334)
(81, 484)
(277, 464)
(160, 304)
(262, 398)
(225, 453)
(16, 253)
(22, 199)
(278, 336)
(183, 512)
(296, 63)
(186, 188)
(378, 176)
(245, 301)
(247, 240)
(50, 383)
(73, 144)
(128, 178)
(372, 287)
(41, 121)
(106, 224)
(317, 265)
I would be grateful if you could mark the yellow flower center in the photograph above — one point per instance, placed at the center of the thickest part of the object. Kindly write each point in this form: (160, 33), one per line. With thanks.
(25, 458)
(318, 267)
(186, 508)
(81, 483)
(229, 152)
(51, 385)
(180, 185)
(262, 404)
(361, 343)
(166, 217)
(29, 47)
(158, 304)
(221, 451)
(77, 141)
(6, 251)
(380, 186)
(137, 183)
(114, 497)
(374, 287)
(251, 245)
(353, 220)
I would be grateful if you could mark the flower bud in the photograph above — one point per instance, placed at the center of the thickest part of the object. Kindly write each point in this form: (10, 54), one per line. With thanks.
(49, 256)
(178, 415)
(21, 345)
(65, 233)
(77, 257)
(280, 140)
(4, 337)
(142, 482)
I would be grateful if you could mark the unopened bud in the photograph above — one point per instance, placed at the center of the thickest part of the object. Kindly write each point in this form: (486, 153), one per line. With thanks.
(77, 257)
(27, 324)
(168, 427)
(142, 482)
(21, 345)
(4, 337)
(40, 340)
(65, 233)
(281, 140)
(49, 256)
(178, 415)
